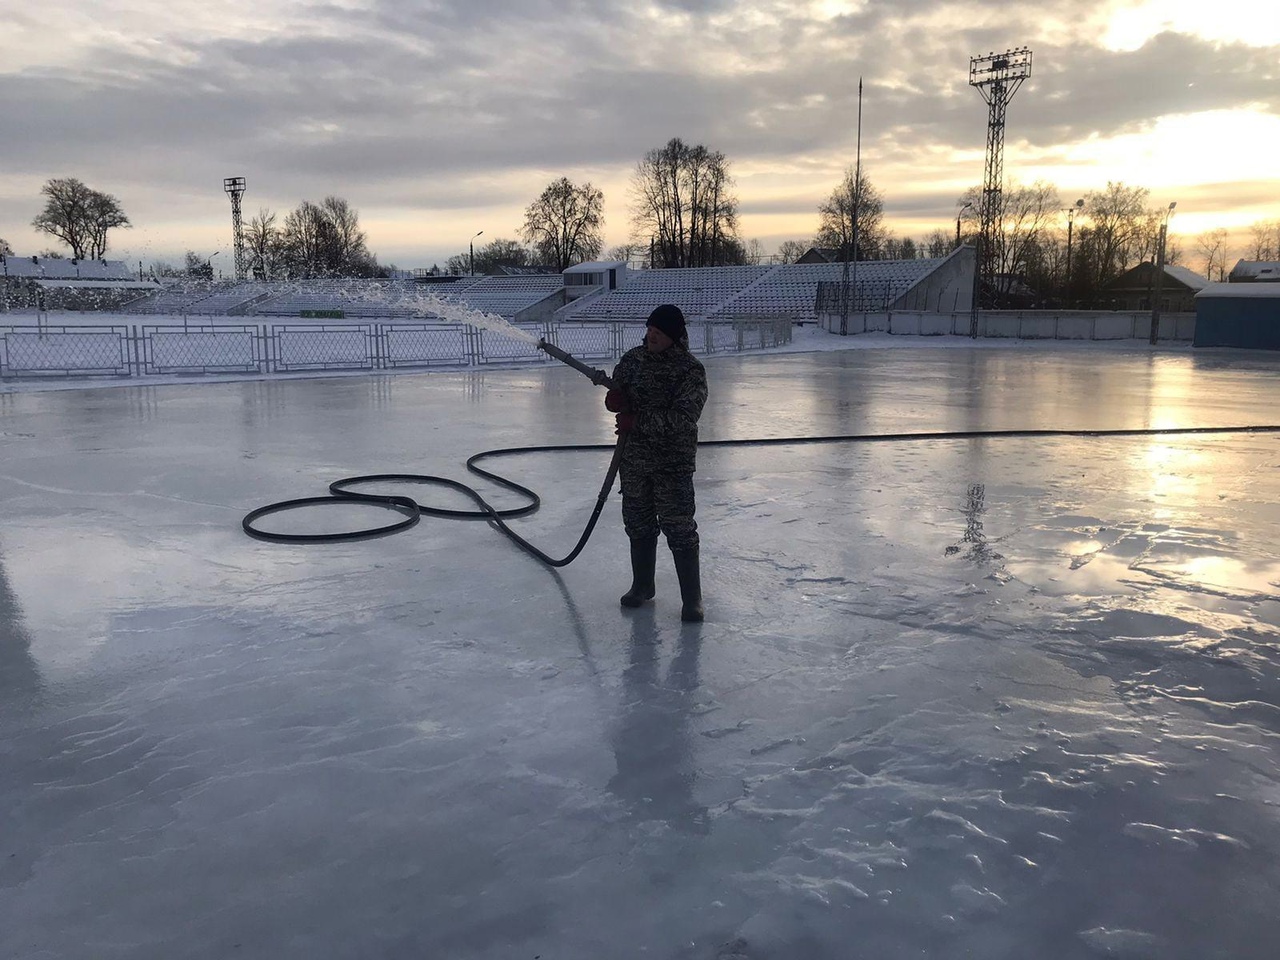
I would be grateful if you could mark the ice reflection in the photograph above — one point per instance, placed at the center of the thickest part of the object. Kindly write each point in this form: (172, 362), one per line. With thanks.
(19, 674)
(1173, 472)
(651, 743)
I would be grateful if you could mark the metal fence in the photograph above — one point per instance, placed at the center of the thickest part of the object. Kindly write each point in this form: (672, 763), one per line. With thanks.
(1021, 324)
(130, 350)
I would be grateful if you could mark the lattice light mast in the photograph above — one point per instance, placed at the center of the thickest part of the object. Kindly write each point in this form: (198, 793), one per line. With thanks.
(234, 186)
(997, 77)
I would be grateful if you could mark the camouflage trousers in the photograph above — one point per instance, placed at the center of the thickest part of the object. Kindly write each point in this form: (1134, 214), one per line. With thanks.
(660, 501)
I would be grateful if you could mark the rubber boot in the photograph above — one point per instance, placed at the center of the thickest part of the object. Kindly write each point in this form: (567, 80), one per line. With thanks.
(690, 584)
(644, 557)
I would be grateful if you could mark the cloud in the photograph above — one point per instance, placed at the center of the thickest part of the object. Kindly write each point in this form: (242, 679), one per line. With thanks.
(440, 106)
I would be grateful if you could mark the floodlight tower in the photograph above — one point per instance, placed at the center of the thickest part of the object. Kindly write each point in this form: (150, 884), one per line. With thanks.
(997, 77)
(234, 186)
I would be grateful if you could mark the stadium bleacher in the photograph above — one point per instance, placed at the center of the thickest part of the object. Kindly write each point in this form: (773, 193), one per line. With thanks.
(509, 296)
(698, 291)
(786, 290)
(704, 293)
(229, 299)
(792, 289)
(174, 298)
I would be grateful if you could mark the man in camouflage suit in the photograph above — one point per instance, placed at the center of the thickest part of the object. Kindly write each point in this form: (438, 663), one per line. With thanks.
(658, 394)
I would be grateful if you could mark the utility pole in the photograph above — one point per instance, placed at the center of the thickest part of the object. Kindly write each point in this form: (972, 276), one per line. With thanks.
(1071, 219)
(849, 287)
(1155, 293)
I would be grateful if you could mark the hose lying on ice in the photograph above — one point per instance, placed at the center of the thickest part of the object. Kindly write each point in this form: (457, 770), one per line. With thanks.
(411, 512)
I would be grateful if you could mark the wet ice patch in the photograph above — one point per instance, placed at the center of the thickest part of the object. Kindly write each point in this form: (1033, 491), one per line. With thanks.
(1123, 944)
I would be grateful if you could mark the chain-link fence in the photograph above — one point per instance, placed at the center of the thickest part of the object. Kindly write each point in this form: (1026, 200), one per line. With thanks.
(44, 350)
(67, 350)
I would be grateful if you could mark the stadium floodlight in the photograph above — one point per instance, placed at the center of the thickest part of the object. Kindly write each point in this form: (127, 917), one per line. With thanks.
(234, 187)
(1010, 67)
(997, 76)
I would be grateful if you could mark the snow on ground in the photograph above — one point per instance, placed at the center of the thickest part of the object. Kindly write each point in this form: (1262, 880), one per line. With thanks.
(993, 698)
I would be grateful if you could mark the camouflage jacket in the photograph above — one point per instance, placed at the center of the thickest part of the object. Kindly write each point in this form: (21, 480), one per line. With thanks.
(666, 392)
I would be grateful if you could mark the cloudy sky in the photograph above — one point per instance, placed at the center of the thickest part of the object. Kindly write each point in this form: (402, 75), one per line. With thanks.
(436, 119)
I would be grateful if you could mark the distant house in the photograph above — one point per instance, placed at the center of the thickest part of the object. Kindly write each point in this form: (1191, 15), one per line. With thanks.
(1133, 289)
(822, 255)
(1255, 271)
(56, 283)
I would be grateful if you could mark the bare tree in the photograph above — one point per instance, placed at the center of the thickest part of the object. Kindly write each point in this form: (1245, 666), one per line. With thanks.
(325, 240)
(623, 251)
(1120, 232)
(836, 217)
(496, 253)
(1265, 240)
(5, 249)
(1212, 247)
(347, 254)
(79, 216)
(683, 206)
(938, 244)
(564, 224)
(1025, 234)
(264, 243)
(163, 268)
(198, 266)
(904, 249)
(789, 251)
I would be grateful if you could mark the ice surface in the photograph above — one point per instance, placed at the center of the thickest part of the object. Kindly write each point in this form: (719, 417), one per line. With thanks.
(996, 698)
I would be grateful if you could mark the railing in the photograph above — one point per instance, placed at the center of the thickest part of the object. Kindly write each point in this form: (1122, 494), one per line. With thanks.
(44, 350)
(1020, 324)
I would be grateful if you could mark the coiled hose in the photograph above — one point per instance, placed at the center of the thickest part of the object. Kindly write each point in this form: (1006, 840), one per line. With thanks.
(412, 512)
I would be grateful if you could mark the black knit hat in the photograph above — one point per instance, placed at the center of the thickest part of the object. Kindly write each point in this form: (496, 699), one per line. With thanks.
(670, 321)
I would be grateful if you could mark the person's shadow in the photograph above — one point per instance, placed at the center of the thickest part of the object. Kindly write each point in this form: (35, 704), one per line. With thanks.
(651, 738)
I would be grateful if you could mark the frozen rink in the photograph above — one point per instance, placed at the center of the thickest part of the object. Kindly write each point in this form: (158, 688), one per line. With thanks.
(1002, 699)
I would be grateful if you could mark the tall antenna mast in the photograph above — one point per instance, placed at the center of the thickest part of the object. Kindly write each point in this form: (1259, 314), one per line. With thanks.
(846, 287)
(997, 77)
(234, 186)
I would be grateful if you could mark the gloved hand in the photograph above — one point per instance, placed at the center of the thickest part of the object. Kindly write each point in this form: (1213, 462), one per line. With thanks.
(626, 422)
(615, 401)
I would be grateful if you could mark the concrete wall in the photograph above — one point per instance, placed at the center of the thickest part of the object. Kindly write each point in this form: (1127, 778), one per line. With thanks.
(543, 310)
(948, 289)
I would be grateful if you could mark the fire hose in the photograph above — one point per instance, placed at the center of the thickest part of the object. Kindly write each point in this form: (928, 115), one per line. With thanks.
(411, 512)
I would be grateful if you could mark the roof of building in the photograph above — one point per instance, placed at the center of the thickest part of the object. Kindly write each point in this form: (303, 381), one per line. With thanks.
(1216, 291)
(595, 266)
(57, 268)
(1187, 276)
(1140, 276)
(98, 284)
(1255, 270)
